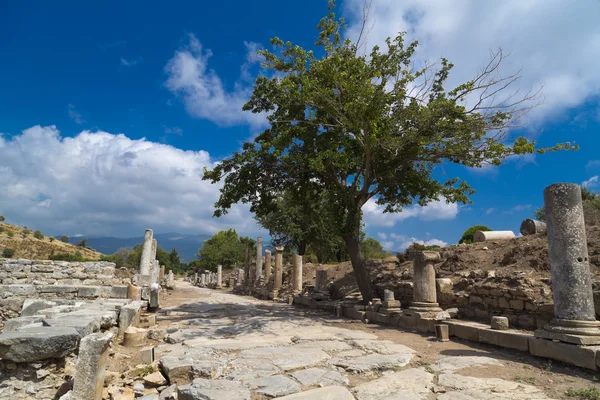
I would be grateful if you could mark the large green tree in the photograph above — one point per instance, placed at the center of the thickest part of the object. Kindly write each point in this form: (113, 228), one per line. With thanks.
(374, 126)
(223, 248)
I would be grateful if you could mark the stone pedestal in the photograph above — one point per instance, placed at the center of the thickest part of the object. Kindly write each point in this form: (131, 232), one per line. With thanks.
(389, 305)
(297, 277)
(278, 275)
(154, 303)
(91, 366)
(219, 276)
(424, 302)
(321, 280)
(259, 261)
(442, 332)
(267, 266)
(146, 259)
(574, 315)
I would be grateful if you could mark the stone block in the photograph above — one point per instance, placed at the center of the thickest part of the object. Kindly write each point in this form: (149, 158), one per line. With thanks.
(207, 389)
(442, 333)
(581, 356)
(14, 324)
(466, 330)
(18, 290)
(407, 322)
(147, 354)
(34, 306)
(59, 289)
(134, 337)
(83, 325)
(34, 344)
(499, 323)
(130, 314)
(91, 367)
(89, 291)
(506, 338)
(119, 292)
(517, 304)
(444, 285)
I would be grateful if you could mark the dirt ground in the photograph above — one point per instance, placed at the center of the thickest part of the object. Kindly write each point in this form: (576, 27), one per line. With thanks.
(553, 377)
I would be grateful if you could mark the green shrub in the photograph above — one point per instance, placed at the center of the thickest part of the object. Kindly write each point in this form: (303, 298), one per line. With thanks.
(26, 231)
(67, 257)
(2, 218)
(38, 235)
(10, 234)
(1, 229)
(83, 243)
(64, 239)
(467, 236)
(8, 253)
(52, 238)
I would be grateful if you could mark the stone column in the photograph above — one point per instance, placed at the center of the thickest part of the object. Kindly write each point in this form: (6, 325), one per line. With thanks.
(259, 261)
(389, 304)
(320, 280)
(196, 278)
(155, 271)
(219, 276)
(297, 282)
(267, 266)
(574, 315)
(278, 275)
(424, 292)
(154, 247)
(91, 366)
(161, 273)
(144, 268)
(154, 302)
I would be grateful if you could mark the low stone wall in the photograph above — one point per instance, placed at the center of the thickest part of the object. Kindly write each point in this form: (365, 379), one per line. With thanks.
(21, 279)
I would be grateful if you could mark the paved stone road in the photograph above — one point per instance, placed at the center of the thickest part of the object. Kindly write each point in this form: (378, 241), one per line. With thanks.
(236, 347)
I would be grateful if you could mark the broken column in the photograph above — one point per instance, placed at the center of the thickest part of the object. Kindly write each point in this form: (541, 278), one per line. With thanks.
(267, 266)
(153, 255)
(531, 227)
(259, 261)
(389, 305)
(91, 366)
(154, 303)
(424, 292)
(144, 268)
(170, 280)
(321, 280)
(297, 282)
(155, 271)
(485, 236)
(247, 266)
(219, 276)
(278, 275)
(574, 315)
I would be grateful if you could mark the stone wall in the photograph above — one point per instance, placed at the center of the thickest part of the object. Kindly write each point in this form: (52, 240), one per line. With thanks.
(21, 279)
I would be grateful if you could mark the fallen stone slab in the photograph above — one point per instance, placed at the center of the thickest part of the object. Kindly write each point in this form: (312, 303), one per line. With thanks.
(183, 369)
(327, 333)
(242, 369)
(320, 377)
(276, 385)
(287, 358)
(14, 324)
(449, 364)
(408, 384)
(380, 346)
(325, 345)
(466, 387)
(34, 306)
(34, 344)
(328, 393)
(373, 362)
(83, 325)
(207, 389)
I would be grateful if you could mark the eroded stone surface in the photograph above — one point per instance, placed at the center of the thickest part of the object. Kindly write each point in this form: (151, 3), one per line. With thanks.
(287, 358)
(381, 346)
(207, 389)
(408, 384)
(320, 377)
(33, 344)
(276, 385)
(373, 362)
(466, 387)
(328, 393)
(449, 364)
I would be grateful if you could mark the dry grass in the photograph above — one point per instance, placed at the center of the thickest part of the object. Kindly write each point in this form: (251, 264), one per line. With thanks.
(31, 248)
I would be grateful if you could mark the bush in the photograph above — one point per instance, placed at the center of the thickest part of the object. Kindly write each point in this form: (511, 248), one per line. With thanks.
(67, 257)
(401, 257)
(8, 253)
(467, 236)
(64, 239)
(26, 231)
(2, 218)
(38, 235)
(83, 243)
(1, 229)
(10, 234)
(52, 238)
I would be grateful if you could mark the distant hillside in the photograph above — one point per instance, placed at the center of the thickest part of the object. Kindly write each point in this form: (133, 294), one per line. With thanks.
(25, 245)
(187, 245)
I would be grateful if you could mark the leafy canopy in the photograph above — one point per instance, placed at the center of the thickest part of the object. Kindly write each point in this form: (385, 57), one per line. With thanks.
(469, 235)
(223, 248)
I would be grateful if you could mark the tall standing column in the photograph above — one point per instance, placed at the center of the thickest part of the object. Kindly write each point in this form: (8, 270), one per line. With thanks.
(424, 291)
(144, 268)
(574, 315)
(259, 260)
(267, 266)
(278, 276)
(219, 276)
(247, 266)
(297, 283)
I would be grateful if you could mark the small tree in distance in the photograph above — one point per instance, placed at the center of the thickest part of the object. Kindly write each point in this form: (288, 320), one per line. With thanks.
(64, 239)
(2, 218)
(373, 128)
(38, 235)
(469, 234)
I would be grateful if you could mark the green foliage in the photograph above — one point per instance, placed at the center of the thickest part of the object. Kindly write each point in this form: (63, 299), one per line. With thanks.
(352, 128)
(26, 231)
(2, 229)
(64, 239)
(83, 243)
(540, 214)
(2, 218)
(467, 236)
(77, 256)
(401, 257)
(52, 239)
(38, 235)
(8, 253)
(223, 248)
(372, 249)
(10, 234)
(591, 207)
(591, 393)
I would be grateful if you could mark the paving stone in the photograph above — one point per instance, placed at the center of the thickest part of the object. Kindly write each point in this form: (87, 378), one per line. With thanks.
(182, 369)
(207, 389)
(373, 362)
(241, 369)
(381, 346)
(276, 385)
(325, 345)
(449, 364)
(327, 393)
(320, 377)
(328, 333)
(408, 384)
(466, 387)
(34, 344)
(287, 358)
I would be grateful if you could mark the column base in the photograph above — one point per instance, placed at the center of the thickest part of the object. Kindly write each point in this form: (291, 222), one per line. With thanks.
(571, 331)
(422, 310)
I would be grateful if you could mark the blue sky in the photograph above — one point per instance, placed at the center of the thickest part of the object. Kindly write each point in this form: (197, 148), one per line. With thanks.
(109, 112)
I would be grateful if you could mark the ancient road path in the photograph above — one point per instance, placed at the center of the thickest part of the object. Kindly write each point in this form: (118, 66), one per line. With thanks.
(242, 348)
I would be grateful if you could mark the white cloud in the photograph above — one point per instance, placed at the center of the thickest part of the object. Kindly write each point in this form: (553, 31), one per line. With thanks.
(490, 210)
(403, 242)
(174, 130)
(101, 183)
(202, 90)
(593, 181)
(130, 63)
(74, 115)
(382, 235)
(436, 210)
(518, 208)
(555, 42)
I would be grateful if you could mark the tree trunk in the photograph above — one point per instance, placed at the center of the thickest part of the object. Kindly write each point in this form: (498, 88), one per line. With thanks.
(301, 249)
(363, 280)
